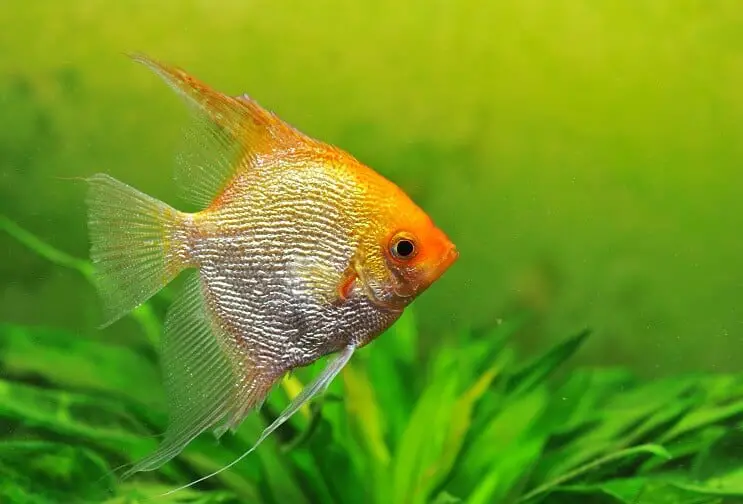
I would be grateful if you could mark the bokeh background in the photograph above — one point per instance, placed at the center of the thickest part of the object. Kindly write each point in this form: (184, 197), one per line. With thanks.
(584, 155)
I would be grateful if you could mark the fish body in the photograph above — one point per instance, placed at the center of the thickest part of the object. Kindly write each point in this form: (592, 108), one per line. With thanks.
(300, 251)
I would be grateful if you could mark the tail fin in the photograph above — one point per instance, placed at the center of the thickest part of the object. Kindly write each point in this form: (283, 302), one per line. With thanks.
(135, 245)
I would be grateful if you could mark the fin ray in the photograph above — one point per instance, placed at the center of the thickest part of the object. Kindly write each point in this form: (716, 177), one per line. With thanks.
(133, 240)
(206, 161)
(205, 375)
(225, 135)
(318, 385)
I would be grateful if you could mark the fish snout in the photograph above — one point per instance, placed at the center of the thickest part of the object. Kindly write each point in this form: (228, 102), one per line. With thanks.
(446, 259)
(451, 256)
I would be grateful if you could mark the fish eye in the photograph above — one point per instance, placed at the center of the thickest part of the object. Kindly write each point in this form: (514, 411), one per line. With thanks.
(403, 247)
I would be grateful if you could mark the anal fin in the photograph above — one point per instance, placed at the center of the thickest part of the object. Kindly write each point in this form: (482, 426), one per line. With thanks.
(318, 385)
(206, 375)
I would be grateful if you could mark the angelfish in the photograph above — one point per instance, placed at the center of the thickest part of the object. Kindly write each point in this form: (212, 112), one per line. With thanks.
(299, 251)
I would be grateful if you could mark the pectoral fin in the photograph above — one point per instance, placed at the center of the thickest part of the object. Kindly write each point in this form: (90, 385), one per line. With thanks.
(348, 280)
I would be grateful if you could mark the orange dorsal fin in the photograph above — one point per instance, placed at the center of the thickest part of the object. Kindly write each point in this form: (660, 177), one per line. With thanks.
(226, 135)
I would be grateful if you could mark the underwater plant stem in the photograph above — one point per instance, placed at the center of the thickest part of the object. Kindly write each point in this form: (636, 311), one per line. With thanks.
(45, 250)
(144, 314)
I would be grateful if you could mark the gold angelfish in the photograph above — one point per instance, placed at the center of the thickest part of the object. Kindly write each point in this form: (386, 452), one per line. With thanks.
(300, 251)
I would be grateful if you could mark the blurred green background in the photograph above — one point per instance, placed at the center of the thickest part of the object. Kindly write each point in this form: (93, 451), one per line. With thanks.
(584, 155)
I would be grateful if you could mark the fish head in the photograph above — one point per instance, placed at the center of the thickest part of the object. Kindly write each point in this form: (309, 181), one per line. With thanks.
(405, 252)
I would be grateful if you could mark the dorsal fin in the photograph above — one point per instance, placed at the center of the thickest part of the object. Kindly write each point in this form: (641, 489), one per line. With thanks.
(226, 135)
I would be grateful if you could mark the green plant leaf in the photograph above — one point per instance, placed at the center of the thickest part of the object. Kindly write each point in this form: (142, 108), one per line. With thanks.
(66, 360)
(535, 373)
(446, 498)
(48, 252)
(496, 458)
(459, 425)
(97, 421)
(143, 314)
(510, 466)
(722, 400)
(425, 434)
(640, 491)
(141, 493)
(364, 412)
(621, 419)
(369, 423)
(46, 472)
(551, 486)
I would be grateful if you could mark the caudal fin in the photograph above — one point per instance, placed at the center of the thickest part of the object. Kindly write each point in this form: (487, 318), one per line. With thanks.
(134, 244)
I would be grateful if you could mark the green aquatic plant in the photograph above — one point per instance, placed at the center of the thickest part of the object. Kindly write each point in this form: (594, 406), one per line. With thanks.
(472, 422)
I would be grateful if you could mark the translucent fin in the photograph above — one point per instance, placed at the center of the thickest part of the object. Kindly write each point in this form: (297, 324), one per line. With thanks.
(320, 383)
(226, 135)
(205, 161)
(204, 379)
(134, 245)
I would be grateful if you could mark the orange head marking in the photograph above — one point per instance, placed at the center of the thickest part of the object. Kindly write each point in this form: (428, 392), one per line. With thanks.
(403, 251)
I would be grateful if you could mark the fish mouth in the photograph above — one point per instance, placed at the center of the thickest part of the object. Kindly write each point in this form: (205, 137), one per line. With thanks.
(444, 263)
(450, 258)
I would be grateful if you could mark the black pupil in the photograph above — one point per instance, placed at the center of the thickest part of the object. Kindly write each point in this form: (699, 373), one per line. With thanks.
(404, 248)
